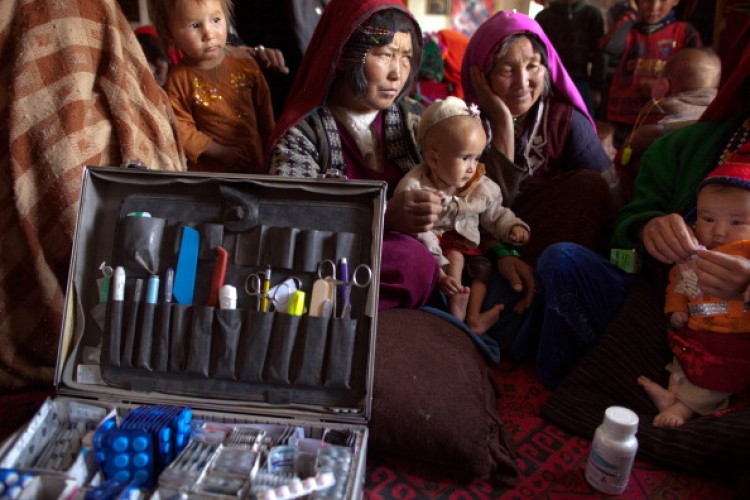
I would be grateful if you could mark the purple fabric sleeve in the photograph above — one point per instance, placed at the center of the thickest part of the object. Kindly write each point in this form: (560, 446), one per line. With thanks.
(409, 273)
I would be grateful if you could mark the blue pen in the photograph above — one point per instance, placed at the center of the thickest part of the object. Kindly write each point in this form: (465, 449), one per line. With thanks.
(152, 293)
(345, 288)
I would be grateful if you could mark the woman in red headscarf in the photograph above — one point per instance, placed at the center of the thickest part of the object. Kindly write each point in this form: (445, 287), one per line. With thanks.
(658, 225)
(348, 114)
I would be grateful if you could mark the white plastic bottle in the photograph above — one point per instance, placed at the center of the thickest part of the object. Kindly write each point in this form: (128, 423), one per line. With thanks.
(613, 451)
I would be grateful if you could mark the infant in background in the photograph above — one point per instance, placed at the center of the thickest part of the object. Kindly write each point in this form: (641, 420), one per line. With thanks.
(641, 46)
(452, 138)
(682, 92)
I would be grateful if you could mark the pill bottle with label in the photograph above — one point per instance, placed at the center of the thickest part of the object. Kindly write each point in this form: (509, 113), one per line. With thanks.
(613, 451)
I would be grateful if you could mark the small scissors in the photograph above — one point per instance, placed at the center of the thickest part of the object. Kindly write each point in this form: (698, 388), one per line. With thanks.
(361, 277)
(257, 285)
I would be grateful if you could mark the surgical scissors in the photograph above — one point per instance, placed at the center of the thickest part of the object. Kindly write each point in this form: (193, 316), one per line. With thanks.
(257, 285)
(360, 277)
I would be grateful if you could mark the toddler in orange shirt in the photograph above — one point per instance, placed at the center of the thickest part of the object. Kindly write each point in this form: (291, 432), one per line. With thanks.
(222, 103)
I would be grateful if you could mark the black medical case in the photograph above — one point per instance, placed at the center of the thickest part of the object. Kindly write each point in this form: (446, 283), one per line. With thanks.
(253, 365)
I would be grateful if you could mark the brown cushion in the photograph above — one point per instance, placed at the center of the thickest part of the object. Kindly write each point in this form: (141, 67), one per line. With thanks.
(634, 344)
(434, 399)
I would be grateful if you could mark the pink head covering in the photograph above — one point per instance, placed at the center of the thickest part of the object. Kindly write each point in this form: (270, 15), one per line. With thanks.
(493, 32)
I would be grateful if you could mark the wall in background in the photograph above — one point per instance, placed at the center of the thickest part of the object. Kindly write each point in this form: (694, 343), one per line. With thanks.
(730, 14)
(432, 22)
(429, 22)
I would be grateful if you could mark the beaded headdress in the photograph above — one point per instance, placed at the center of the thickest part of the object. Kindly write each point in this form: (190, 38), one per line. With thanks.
(363, 39)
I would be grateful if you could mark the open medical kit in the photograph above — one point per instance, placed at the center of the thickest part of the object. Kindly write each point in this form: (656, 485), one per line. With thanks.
(218, 341)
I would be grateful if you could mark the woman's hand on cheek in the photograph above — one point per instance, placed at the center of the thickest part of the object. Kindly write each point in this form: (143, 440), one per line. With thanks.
(494, 109)
(490, 103)
(722, 275)
(413, 211)
(668, 239)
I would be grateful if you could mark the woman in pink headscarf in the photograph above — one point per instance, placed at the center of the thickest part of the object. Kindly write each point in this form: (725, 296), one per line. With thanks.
(544, 151)
(547, 158)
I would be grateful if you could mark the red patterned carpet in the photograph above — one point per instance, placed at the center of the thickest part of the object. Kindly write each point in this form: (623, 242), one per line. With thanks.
(551, 461)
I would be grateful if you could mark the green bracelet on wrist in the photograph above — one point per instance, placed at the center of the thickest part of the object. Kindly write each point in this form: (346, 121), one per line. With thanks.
(501, 250)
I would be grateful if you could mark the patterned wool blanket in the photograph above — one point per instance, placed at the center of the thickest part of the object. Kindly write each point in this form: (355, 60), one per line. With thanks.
(75, 90)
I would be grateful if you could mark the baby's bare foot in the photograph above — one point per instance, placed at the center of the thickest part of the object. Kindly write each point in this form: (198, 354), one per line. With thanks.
(485, 320)
(458, 302)
(660, 396)
(674, 416)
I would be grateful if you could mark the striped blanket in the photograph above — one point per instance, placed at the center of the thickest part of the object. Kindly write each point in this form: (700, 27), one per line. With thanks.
(75, 90)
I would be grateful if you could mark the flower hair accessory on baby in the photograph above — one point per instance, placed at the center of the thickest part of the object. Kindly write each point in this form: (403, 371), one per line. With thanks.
(442, 109)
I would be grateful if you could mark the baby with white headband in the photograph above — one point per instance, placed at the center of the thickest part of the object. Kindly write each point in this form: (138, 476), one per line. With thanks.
(452, 138)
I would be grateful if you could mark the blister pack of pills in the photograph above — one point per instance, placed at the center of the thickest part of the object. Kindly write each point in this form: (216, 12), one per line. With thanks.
(147, 440)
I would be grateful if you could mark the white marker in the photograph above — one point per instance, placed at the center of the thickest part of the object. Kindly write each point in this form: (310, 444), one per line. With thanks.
(227, 297)
(118, 290)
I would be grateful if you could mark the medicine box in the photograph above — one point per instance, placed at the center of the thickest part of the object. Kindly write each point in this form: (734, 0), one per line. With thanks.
(163, 388)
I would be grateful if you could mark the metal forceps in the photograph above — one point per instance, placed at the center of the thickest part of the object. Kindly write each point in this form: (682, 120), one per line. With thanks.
(257, 285)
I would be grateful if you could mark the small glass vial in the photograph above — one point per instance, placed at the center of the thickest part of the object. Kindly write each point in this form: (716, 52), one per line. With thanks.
(613, 451)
